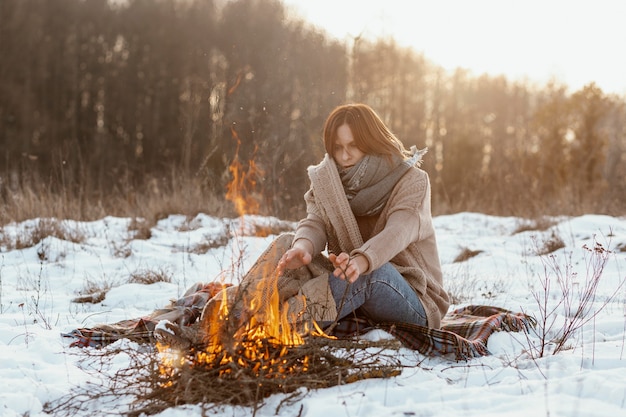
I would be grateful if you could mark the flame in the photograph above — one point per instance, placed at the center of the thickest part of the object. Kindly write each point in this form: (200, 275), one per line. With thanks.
(259, 343)
(242, 188)
(262, 341)
(170, 361)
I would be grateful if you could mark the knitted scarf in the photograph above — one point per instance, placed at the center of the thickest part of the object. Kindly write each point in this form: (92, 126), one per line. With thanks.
(368, 184)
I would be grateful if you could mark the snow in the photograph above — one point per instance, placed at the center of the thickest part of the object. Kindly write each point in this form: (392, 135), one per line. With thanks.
(586, 378)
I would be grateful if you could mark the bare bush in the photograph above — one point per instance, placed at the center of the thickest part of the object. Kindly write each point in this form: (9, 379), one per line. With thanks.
(567, 302)
(39, 297)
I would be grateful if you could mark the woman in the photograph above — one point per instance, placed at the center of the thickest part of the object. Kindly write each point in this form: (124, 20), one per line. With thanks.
(369, 205)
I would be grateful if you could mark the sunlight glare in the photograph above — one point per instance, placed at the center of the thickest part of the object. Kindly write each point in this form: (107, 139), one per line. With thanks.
(567, 41)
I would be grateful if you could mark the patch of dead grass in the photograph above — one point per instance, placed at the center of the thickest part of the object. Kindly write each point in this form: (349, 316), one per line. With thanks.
(43, 228)
(150, 276)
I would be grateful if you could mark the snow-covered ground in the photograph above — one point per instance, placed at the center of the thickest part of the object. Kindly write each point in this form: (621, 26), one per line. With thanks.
(586, 378)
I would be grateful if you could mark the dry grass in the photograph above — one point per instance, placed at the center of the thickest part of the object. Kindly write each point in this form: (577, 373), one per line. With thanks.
(93, 292)
(536, 224)
(140, 229)
(153, 200)
(550, 244)
(210, 242)
(461, 288)
(466, 254)
(176, 193)
(43, 228)
(150, 276)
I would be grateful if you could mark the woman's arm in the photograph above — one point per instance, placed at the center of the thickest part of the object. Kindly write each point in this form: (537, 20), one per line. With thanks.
(312, 227)
(409, 220)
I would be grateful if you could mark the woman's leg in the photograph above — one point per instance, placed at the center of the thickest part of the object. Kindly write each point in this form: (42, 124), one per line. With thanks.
(383, 295)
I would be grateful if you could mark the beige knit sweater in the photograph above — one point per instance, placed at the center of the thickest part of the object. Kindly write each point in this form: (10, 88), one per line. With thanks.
(403, 233)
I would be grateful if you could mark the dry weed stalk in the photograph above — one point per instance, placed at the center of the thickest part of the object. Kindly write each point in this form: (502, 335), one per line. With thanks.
(575, 297)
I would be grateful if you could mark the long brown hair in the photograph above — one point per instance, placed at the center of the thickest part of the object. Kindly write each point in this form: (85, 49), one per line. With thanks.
(370, 134)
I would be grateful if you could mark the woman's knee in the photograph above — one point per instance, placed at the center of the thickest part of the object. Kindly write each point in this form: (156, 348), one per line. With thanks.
(387, 273)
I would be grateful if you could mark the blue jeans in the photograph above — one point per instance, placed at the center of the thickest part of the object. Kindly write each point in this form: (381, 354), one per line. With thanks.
(382, 295)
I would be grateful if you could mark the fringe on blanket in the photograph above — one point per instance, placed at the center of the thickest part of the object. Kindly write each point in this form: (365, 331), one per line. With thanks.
(464, 332)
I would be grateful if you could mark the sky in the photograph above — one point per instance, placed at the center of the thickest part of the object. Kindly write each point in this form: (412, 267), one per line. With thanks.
(39, 282)
(574, 42)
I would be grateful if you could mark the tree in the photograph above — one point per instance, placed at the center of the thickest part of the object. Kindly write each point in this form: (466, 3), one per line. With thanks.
(590, 139)
(548, 161)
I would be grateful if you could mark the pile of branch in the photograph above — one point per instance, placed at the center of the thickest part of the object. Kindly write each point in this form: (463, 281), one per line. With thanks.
(149, 385)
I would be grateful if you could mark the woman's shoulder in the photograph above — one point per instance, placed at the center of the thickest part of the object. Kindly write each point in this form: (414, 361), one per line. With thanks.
(414, 174)
(414, 183)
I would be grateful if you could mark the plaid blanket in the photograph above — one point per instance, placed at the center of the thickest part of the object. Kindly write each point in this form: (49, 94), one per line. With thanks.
(184, 311)
(463, 334)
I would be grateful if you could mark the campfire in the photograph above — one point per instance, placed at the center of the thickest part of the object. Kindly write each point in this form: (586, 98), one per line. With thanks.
(254, 346)
(245, 359)
(258, 345)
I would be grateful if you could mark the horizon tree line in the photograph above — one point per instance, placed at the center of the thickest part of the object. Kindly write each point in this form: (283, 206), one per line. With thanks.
(99, 97)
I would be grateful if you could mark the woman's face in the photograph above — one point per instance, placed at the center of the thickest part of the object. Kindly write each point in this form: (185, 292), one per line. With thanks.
(345, 151)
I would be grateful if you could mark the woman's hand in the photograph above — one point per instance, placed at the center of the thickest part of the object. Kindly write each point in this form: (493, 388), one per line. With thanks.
(346, 268)
(294, 258)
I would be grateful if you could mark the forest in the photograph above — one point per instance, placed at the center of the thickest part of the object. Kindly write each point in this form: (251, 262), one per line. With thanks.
(144, 108)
